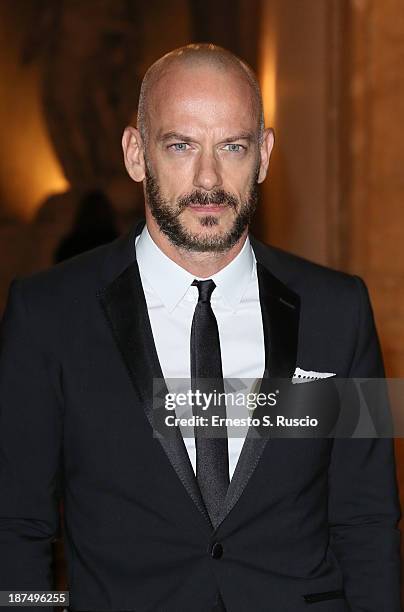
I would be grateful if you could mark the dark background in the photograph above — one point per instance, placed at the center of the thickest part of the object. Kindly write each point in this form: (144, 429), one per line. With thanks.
(333, 87)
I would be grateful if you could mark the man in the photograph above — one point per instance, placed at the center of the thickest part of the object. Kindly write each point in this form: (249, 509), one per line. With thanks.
(175, 524)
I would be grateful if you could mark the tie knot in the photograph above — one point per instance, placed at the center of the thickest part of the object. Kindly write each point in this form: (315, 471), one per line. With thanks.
(205, 288)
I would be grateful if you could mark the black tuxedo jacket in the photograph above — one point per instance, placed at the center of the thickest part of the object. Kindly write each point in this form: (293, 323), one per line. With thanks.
(308, 524)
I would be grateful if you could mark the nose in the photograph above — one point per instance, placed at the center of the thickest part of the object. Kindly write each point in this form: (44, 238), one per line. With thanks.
(207, 172)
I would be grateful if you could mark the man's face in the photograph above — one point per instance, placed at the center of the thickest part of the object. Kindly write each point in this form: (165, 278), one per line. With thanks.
(202, 157)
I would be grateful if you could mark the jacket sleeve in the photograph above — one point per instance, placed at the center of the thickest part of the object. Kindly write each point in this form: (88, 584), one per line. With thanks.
(30, 444)
(364, 507)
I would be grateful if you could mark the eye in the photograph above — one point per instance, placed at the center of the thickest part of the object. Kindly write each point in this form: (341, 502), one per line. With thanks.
(178, 146)
(234, 148)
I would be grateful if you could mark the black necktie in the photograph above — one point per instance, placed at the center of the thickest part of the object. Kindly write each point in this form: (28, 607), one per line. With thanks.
(212, 459)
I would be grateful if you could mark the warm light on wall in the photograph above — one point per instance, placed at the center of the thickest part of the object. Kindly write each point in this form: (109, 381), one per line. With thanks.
(267, 62)
(29, 169)
(31, 173)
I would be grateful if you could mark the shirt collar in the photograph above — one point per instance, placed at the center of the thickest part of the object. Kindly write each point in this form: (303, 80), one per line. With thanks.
(232, 280)
(171, 282)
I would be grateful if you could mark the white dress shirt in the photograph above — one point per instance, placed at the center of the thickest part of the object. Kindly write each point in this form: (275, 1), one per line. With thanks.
(171, 301)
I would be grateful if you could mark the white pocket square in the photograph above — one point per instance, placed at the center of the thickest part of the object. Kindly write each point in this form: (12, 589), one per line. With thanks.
(301, 376)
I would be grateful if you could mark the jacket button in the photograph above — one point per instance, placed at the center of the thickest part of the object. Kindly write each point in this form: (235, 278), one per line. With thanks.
(217, 550)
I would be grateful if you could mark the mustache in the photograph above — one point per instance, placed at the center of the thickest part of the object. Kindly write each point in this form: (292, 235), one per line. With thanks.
(203, 198)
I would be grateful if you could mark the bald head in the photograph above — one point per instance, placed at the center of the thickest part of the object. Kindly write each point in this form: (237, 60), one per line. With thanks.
(200, 149)
(196, 56)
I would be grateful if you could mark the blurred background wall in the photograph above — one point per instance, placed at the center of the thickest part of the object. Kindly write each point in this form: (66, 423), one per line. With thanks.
(333, 86)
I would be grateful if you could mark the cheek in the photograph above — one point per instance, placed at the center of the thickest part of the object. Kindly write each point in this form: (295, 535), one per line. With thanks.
(173, 185)
(239, 183)
(174, 175)
(239, 172)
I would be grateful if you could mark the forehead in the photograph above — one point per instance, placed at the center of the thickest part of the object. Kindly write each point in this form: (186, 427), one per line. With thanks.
(201, 98)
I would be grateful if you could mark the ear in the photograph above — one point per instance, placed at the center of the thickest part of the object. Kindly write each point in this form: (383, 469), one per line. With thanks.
(265, 153)
(133, 153)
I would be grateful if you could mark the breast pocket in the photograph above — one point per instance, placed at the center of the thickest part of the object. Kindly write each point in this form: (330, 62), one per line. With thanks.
(312, 598)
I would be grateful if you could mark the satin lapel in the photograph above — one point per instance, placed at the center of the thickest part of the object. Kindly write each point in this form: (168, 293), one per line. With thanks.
(125, 308)
(280, 308)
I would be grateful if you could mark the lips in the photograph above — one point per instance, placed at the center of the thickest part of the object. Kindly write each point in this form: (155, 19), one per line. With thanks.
(209, 205)
(213, 207)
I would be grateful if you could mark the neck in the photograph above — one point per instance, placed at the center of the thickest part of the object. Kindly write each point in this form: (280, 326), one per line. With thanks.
(202, 265)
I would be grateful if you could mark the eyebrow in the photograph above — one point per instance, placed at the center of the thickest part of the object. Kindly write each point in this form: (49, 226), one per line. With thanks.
(183, 138)
(174, 136)
(241, 136)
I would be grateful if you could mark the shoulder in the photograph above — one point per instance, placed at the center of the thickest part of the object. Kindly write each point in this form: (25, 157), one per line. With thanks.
(83, 274)
(337, 327)
(303, 276)
(326, 295)
(69, 290)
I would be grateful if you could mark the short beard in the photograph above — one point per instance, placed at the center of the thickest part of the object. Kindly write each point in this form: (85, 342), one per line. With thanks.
(169, 222)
